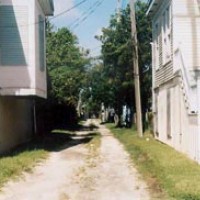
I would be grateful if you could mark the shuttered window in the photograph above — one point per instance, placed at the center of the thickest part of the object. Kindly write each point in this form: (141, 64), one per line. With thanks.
(156, 31)
(13, 36)
(166, 35)
(41, 43)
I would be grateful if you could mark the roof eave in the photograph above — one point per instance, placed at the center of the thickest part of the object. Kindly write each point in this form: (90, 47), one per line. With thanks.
(47, 7)
(153, 5)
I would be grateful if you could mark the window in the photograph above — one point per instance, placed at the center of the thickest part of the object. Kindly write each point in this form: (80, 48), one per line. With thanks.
(41, 43)
(166, 35)
(169, 136)
(13, 35)
(156, 46)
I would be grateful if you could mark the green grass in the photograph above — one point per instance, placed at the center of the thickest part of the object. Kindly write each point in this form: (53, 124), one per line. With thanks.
(11, 166)
(170, 175)
(25, 157)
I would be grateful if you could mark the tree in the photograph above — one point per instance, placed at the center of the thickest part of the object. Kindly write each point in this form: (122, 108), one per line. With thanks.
(102, 89)
(117, 72)
(66, 64)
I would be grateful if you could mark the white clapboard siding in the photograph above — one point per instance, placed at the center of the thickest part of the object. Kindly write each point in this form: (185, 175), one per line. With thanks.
(186, 17)
(164, 74)
(14, 35)
(165, 71)
(174, 125)
(22, 47)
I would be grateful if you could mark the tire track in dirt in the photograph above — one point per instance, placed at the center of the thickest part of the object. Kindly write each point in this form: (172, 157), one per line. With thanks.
(98, 170)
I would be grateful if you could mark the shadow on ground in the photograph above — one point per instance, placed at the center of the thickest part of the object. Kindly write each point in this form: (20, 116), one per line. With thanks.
(57, 140)
(79, 127)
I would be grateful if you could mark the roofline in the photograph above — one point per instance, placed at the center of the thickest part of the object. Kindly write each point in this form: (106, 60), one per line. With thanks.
(149, 2)
(52, 4)
(47, 6)
(152, 6)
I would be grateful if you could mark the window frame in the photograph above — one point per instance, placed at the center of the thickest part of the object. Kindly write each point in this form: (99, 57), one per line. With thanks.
(17, 55)
(166, 35)
(41, 40)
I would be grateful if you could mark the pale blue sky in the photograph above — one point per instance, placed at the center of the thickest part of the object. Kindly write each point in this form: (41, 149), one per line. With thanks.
(92, 25)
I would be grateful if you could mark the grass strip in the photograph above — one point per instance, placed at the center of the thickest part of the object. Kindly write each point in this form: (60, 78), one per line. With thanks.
(26, 156)
(167, 171)
(11, 166)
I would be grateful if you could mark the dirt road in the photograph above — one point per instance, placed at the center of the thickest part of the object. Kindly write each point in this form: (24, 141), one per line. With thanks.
(98, 170)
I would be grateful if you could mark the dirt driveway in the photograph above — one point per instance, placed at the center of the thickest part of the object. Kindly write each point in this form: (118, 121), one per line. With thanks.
(98, 170)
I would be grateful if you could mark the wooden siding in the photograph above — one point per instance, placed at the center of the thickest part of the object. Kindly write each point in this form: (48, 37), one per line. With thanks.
(160, 50)
(180, 129)
(164, 74)
(174, 125)
(14, 30)
(165, 70)
(187, 31)
(22, 75)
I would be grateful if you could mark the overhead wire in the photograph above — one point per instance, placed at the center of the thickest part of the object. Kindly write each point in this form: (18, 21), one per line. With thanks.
(75, 24)
(68, 10)
(88, 15)
(50, 19)
(84, 13)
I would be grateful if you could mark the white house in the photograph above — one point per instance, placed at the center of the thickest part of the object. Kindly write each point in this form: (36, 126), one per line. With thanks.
(176, 73)
(22, 66)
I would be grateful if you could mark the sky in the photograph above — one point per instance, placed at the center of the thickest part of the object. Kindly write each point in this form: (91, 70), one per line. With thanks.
(86, 30)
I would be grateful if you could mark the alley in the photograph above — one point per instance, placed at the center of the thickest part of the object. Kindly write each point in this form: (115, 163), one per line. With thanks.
(97, 170)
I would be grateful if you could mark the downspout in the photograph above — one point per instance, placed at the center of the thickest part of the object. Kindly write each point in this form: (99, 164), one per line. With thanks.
(34, 119)
(153, 86)
(198, 115)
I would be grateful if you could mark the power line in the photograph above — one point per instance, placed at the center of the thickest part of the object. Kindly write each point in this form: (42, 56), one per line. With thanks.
(90, 13)
(68, 10)
(92, 10)
(42, 21)
(83, 14)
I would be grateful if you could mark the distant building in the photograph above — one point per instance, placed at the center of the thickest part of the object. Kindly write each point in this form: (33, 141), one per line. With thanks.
(22, 66)
(176, 73)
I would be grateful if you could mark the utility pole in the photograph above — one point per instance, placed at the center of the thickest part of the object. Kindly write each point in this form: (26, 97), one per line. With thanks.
(136, 70)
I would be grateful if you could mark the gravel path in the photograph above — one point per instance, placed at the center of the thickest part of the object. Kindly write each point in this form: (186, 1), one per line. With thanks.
(96, 171)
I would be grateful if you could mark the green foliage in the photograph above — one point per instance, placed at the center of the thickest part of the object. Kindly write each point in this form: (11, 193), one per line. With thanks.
(144, 48)
(111, 81)
(66, 84)
(166, 170)
(102, 88)
(66, 64)
(63, 50)
(116, 74)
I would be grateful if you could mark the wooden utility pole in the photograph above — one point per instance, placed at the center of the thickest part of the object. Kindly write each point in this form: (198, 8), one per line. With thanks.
(136, 70)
